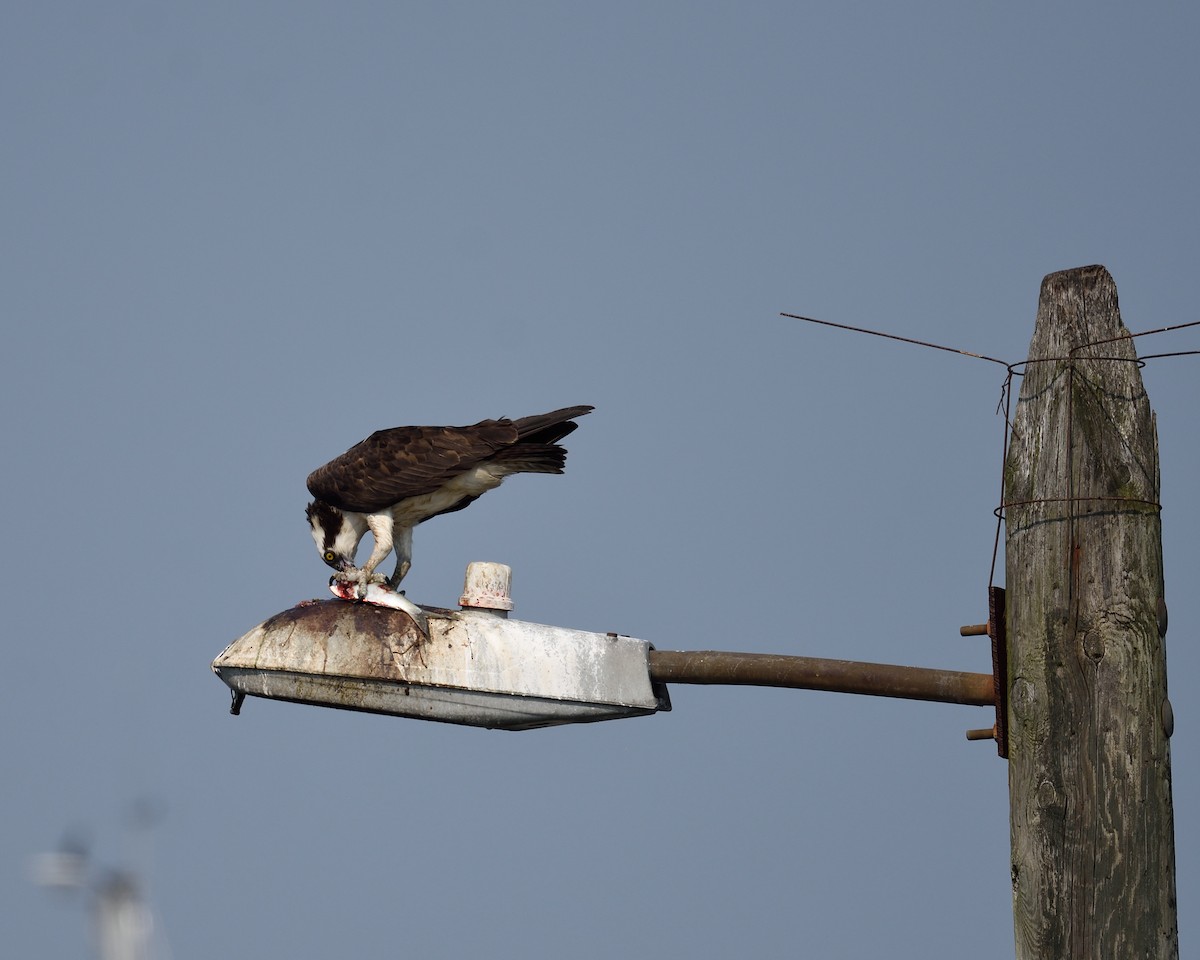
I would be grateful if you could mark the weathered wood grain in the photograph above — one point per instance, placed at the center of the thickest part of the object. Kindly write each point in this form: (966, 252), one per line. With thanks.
(1093, 861)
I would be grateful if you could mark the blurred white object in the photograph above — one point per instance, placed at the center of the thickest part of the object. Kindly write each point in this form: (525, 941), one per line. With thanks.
(123, 925)
(63, 869)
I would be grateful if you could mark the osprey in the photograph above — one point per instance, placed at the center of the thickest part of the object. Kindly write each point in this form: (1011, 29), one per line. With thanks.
(400, 477)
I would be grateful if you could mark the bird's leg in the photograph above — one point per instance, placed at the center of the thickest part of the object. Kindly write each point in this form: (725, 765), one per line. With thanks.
(403, 548)
(380, 525)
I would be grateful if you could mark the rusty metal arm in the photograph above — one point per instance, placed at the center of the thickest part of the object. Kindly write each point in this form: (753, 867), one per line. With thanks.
(813, 673)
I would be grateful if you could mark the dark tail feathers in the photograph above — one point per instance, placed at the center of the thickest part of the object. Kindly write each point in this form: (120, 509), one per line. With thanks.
(546, 428)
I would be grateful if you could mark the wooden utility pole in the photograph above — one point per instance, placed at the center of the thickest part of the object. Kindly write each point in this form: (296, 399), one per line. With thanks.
(1093, 856)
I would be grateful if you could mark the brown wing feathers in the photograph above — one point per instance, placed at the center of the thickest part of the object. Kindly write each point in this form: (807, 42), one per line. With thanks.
(391, 465)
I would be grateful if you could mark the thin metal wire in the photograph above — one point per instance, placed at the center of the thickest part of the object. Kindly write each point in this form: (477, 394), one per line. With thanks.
(1144, 333)
(893, 336)
(1177, 353)
(1016, 369)
(1006, 399)
(1068, 359)
(999, 511)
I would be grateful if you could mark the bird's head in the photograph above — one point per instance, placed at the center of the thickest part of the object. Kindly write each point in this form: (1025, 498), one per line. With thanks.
(335, 533)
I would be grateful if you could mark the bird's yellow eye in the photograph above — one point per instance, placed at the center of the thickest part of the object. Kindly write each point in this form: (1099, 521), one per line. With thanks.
(329, 556)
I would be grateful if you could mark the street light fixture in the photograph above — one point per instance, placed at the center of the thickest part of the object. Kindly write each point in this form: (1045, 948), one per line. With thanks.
(476, 666)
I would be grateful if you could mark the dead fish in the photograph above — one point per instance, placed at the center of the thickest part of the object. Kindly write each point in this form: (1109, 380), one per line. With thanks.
(379, 594)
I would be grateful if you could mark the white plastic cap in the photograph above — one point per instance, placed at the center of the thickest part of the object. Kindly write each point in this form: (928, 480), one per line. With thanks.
(487, 586)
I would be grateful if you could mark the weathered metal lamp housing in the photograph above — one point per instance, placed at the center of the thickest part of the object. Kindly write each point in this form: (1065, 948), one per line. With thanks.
(474, 666)
(477, 667)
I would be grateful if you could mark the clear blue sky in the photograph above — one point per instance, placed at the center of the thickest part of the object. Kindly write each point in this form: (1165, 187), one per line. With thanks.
(239, 237)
